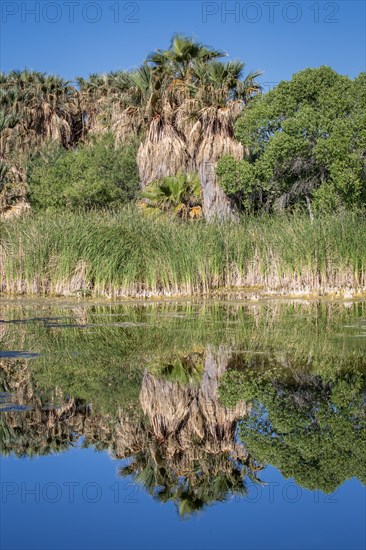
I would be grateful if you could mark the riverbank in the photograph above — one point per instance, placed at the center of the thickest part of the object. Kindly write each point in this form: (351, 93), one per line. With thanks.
(127, 255)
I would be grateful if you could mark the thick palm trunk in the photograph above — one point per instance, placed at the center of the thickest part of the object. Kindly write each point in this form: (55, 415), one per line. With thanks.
(216, 205)
(217, 140)
(167, 152)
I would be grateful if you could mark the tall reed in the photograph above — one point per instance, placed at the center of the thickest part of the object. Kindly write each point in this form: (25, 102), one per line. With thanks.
(126, 254)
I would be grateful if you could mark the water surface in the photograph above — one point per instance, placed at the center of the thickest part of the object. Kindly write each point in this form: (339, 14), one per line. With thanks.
(183, 425)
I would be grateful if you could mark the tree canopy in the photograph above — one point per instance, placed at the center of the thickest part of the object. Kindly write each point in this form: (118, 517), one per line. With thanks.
(305, 143)
(181, 103)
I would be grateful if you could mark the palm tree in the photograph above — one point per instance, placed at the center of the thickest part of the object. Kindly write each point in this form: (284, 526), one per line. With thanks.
(12, 177)
(182, 103)
(104, 105)
(196, 99)
(180, 194)
(45, 106)
(220, 92)
(35, 109)
(164, 150)
(179, 60)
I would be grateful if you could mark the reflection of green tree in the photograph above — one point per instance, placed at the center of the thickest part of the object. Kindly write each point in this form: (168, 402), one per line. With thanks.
(312, 429)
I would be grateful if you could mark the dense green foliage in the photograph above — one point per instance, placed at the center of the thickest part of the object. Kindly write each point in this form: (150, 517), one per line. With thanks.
(127, 253)
(93, 175)
(306, 141)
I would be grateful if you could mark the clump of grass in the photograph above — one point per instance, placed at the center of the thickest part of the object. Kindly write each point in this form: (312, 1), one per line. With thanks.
(126, 254)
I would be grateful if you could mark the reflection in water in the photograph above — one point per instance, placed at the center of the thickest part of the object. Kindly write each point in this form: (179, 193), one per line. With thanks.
(181, 441)
(312, 428)
(190, 454)
(198, 399)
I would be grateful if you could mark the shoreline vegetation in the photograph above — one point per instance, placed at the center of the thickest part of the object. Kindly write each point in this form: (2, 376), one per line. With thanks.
(181, 178)
(125, 254)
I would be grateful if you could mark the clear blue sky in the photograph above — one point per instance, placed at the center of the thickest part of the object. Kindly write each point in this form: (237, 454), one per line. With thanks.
(76, 38)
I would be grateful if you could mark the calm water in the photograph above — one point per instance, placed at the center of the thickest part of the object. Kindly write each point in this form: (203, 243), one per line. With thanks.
(190, 425)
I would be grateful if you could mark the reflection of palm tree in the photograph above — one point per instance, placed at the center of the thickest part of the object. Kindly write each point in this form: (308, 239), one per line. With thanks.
(212, 479)
(191, 408)
(39, 429)
(184, 370)
(191, 456)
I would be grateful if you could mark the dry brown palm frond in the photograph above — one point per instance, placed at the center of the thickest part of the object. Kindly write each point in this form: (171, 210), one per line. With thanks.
(209, 131)
(195, 213)
(214, 137)
(214, 146)
(188, 124)
(167, 412)
(188, 418)
(127, 125)
(163, 153)
(15, 210)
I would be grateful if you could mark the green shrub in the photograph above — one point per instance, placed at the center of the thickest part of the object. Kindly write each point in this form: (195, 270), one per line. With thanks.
(91, 176)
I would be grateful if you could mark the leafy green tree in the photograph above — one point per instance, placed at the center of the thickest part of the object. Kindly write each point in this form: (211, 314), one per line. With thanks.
(93, 175)
(306, 142)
